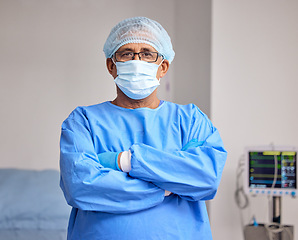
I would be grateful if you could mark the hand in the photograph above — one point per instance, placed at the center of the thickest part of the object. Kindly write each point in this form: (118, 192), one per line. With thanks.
(167, 193)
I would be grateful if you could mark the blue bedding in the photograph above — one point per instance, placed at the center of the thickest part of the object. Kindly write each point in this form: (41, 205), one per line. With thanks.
(32, 206)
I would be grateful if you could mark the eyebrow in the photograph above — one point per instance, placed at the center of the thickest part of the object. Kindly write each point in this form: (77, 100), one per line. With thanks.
(147, 50)
(142, 50)
(126, 49)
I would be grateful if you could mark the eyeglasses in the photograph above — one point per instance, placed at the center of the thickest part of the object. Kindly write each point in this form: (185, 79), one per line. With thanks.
(143, 56)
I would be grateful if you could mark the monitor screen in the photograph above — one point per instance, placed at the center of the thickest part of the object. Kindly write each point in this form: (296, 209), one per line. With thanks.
(271, 171)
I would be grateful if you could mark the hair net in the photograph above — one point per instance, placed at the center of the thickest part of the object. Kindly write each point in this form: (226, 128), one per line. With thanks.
(139, 30)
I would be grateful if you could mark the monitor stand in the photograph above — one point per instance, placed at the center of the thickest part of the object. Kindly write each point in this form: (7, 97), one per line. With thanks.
(276, 217)
(273, 231)
(276, 209)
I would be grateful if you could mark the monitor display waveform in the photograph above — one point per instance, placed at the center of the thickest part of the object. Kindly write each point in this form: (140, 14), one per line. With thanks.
(272, 169)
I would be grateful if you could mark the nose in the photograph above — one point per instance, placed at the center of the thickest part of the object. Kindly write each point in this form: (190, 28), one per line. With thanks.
(136, 55)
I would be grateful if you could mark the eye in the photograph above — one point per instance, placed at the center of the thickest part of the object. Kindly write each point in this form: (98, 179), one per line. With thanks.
(147, 54)
(126, 54)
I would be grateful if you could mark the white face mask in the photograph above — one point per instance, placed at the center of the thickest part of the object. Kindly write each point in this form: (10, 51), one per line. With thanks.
(137, 79)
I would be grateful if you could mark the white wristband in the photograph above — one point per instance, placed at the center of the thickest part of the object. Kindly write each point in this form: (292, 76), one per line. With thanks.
(125, 161)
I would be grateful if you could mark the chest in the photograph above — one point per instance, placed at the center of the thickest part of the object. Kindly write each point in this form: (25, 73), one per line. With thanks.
(119, 132)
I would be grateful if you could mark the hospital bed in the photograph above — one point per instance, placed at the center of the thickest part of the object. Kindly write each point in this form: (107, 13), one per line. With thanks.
(32, 206)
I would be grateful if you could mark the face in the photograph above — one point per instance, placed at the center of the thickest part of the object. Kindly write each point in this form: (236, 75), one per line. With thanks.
(139, 47)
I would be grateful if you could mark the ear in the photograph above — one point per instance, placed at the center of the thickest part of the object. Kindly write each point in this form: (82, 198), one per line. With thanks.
(111, 67)
(163, 68)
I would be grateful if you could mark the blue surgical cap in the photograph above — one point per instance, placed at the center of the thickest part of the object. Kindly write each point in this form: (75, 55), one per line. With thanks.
(139, 30)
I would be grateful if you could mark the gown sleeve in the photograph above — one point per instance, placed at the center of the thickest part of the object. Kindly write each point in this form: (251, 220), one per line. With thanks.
(87, 185)
(193, 173)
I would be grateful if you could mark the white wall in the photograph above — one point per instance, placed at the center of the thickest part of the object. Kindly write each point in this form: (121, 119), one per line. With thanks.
(51, 61)
(193, 53)
(254, 95)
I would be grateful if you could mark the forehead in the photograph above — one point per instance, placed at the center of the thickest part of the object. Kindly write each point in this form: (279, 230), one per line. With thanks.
(136, 47)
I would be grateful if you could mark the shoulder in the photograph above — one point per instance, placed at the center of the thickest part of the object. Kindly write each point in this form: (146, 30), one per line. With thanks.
(192, 120)
(187, 110)
(80, 111)
(191, 115)
(82, 114)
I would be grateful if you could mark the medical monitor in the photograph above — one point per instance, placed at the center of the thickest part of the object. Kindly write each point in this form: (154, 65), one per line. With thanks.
(271, 170)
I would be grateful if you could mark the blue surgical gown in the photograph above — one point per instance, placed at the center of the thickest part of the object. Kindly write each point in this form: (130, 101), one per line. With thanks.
(110, 204)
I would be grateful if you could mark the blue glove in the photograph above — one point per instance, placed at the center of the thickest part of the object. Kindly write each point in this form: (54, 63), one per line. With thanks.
(192, 144)
(109, 160)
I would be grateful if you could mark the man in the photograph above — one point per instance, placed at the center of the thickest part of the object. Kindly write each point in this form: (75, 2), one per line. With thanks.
(137, 167)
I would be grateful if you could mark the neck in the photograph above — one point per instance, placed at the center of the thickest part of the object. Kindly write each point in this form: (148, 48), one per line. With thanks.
(123, 101)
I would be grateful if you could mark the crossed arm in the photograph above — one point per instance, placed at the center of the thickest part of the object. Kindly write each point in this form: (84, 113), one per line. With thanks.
(91, 183)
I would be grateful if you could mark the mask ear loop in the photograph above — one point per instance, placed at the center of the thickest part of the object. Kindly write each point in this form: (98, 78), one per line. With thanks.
(160, 63)
(114, 63)
(159, 66)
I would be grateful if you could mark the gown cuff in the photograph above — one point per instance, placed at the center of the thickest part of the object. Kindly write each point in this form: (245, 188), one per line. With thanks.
(125, 161)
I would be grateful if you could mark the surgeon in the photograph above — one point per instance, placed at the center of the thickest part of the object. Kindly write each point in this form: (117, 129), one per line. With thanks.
(137, 167)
